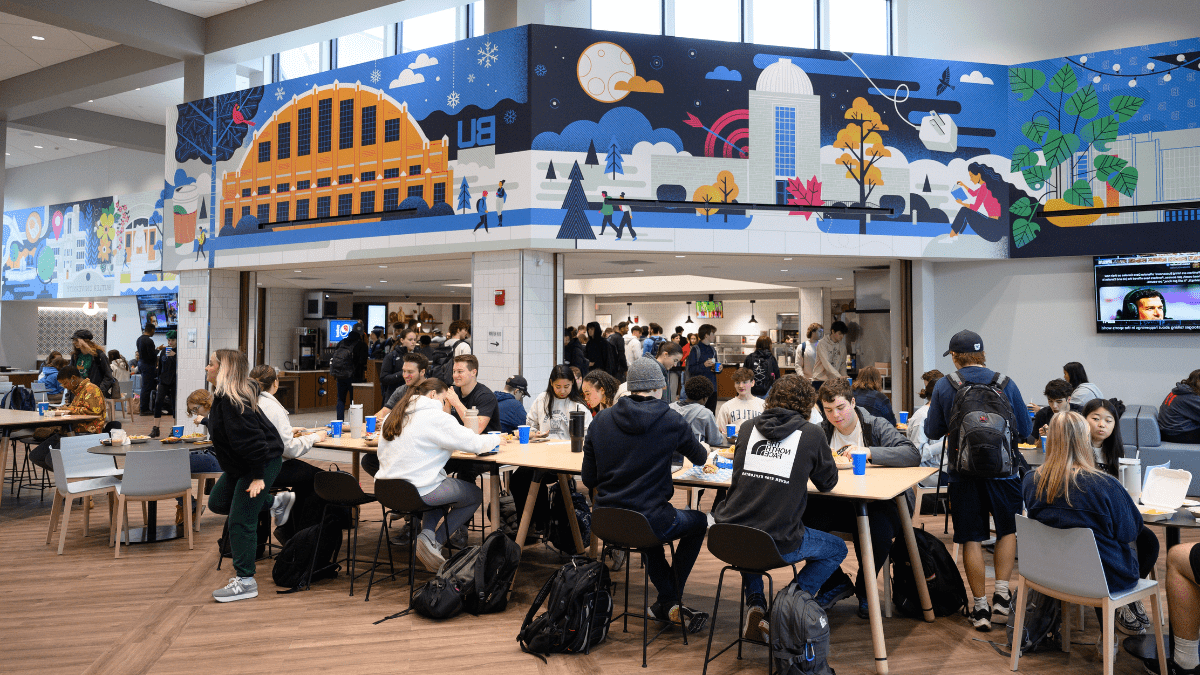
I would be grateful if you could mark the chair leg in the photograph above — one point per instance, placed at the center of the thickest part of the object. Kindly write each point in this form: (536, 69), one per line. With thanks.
(887, 587)
(55, 511)
(378, 548)
(1110, 620)
(712, 627)
(122, 515)
(1066, 628)
(199, 503)
(313, 561)
(87, 516)
(352, 547)
(1156, 606)
(187, 517)
(646, 612)
(1019, 608)
(66, 520)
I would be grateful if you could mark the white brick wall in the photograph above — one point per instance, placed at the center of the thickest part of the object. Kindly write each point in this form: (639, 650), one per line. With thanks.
(193, 285)
(285, 311)
(527, 318)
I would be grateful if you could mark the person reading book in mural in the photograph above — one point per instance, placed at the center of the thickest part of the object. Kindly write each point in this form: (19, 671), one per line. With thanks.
(626, 220)
(501, 197)
(984, 213)
(606, 210)
(481, 207)
(201, 237)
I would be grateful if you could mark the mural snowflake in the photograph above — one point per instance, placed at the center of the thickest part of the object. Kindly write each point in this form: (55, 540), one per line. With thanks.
(452, 100)
(471, 77)
(510, 117)
(376, 76)
(489, 53)
(279, 94)
(540, 70)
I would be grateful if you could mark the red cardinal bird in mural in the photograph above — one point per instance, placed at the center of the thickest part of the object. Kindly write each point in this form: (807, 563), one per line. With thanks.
(237, 116)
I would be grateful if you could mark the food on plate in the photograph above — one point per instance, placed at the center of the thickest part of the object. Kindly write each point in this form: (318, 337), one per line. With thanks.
(193, 436)
(710, 468)
(508, 437)
(201, 441)
(170, 440)
(139, 437)
(297, 433)
(902, 427)
(727, 453)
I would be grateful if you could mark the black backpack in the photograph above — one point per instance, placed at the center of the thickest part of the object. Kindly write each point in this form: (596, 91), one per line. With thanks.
(799, 633)
(578, 600)
(303, 550)
(475, 578)
(764, 373)
(982, 443)
(441, 364)
(947, 593)
(19, 398)
(558, 530)
(1043, 624)
(341, 364)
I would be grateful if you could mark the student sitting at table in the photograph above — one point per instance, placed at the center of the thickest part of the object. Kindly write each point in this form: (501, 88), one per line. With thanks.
(868, 394)
(770, 491)
(1082, 390)
(49, 374)
(1058, 399)
(508, 403)
(599, 391)
(416, 441)
(1179, 414)
(746, 406)
(198, 403)
(699, 418)
(413, 369)
(627, 459)
(848, 428)
(931, 451)
(1183, 604)
(86, 399)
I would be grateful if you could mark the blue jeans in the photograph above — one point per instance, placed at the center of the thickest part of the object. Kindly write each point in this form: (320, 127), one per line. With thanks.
(344, 388)
(689, 528)
(460, 498)
(822, 552)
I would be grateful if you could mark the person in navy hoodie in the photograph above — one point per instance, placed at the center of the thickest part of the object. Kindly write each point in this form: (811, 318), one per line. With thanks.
(512, 412)
(702, 361)
(627, 459)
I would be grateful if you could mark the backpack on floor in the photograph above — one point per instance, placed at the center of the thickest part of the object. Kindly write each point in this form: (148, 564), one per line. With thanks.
(983, 446)
(947, 593)
(578, 600)
(1043, 624)
(558, 530)
(799, 633)
(304, 549)
(442, 596)
(495, 566)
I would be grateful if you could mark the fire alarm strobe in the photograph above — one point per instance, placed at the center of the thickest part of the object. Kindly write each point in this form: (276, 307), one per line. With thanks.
(500, 298)
(191, 305)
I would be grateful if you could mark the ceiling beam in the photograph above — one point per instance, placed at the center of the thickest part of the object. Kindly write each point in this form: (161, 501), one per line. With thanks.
(141, 24)
(94, 127)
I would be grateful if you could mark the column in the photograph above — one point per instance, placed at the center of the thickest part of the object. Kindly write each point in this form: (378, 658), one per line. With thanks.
(205, 76)
(212, 326)
(900, 383)
(3, 306)
(814, 305)
(521, 336)
(926, 348)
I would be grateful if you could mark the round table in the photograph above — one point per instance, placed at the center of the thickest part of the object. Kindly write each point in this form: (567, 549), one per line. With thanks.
(152, 532)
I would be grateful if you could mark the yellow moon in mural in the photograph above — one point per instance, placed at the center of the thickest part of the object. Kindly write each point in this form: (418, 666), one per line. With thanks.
(601, 66)
(33, 227)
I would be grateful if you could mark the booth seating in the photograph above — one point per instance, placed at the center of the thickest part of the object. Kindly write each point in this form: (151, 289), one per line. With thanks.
(1139, 425)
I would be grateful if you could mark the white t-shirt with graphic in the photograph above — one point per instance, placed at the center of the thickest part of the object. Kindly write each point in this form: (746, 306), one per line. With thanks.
(558, 420)
(735, 411)
(839, 440)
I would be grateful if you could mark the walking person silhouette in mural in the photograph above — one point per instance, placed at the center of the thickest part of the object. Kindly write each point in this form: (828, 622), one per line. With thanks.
(201, 237)
(481, 207)
(991, 199)
(626, 220)
(606, 210)
(501, 197)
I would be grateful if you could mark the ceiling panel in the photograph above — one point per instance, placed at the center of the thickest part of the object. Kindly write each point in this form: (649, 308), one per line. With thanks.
(22, 148)
(21, 53)
(147, 104)
(205, 8)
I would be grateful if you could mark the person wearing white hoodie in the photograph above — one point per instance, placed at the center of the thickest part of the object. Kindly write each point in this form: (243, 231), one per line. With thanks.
(633, 345)
(418, 438)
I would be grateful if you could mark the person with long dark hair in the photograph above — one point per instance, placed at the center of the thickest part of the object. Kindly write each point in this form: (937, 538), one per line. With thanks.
(596, 349)
(868, 394)
(1179, 414)
(551, 410)
(985, 215)
(931, 451)
(599, 391)
(1082, 390)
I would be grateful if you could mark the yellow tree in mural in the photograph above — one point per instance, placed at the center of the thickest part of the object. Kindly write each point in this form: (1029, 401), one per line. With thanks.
(864, 148)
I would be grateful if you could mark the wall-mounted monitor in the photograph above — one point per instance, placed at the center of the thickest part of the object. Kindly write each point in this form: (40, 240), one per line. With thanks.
(710, 309)
(339, 329)
(164, 307)
(376, 316)
(1156, 293)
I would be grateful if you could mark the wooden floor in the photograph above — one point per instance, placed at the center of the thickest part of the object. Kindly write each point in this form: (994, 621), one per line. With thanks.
(152, 612)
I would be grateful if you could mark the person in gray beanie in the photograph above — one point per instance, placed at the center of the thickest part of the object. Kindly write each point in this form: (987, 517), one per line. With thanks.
(627, 458)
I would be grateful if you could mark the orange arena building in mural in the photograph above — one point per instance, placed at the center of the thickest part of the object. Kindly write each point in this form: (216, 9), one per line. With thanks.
(339, 150)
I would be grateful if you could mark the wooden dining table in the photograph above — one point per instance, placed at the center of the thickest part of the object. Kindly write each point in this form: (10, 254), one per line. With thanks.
(11, 420)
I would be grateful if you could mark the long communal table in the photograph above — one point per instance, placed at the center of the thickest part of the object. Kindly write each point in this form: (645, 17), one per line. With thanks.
(11, 420)
(556, 457)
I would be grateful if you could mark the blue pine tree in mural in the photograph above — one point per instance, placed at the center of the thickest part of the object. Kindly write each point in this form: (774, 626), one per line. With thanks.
(87, 220)
(575, 224)
(464, 195)
(613, 160)
(212, 129)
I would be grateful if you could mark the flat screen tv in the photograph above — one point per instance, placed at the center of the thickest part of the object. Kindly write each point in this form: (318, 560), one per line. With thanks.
(1155, 293)
(164, 307)
(339, 329)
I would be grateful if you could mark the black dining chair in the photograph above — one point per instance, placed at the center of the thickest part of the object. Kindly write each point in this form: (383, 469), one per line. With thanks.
(629, 531)
(742, 549)
(400, 497)
(341, 490)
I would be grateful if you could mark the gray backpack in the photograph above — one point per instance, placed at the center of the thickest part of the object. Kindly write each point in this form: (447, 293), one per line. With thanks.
(799, 634)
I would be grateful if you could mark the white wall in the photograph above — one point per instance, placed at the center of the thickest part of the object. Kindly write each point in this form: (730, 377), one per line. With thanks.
(1036, 315)
(96, 174)
(18, 341)
(285, 312)
(736, 321)
(1017, 31)
(126, 329)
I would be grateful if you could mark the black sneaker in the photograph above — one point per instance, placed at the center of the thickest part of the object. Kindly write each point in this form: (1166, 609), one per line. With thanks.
(981, 619)
(695, 621)
(832, 596)
(154, 432)
(1173, 668)
(1001, 604)
(863, 611)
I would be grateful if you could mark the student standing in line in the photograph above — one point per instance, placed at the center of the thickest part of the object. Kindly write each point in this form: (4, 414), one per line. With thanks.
(596, 349)
(165, 398)
(147, 362)
(1179, 414)
(573, 352)
(973, 500)
(806, 354)
(831, 355)
(764, 365)
(617, 340)
(702, 361)
(633, 345)
(357, 353)
(1082, 390)
(651, 343)
(668, 357)
(460, 333)
(746, 406)
(250, 453)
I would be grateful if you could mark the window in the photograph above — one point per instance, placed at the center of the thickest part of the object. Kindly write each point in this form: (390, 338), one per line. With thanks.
(228, 223)
(345, 205)
(324, 123)
(284, 140)
(789, 23)
(252, 73)
(630, 16)
(302, 184)
(709, 19)
(301, 209)
(391, 198)
(785, 141)
(264, 189)
(367, 175)
(366, 202)
(322, 207)
(323, 182)
(391, 130)
(416, 190)
(393, 172)
(300, 62)
(368, 125)
(264, 151)
(303, 131)
(361, 47)
(414, 170)
(246, 192)
(427, 31)
(245, 211)
(282, 210)
(781, 193)
(346, 124)
(477, 9)
(264, 213)
(859, 26)
(439, 192)
(283, 187)
(345, 179)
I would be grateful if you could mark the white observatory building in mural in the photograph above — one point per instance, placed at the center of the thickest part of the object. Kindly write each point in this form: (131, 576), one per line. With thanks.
(785, 131)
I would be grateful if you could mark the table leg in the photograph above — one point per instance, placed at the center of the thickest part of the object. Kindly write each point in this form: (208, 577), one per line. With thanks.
(871, 585)
(914, 556)
(535, 486)
(595, 552)
(1172, 537)
(5, 444)
(564, 489)
(494, 496)
(354, 463)
(152, 521)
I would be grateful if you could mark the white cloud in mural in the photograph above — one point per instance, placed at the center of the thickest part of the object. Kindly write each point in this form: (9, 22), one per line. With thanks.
(976, 77)
(424, 60)
(405, 78)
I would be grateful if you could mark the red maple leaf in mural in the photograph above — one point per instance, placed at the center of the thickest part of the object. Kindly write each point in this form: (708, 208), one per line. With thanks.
(806, 194)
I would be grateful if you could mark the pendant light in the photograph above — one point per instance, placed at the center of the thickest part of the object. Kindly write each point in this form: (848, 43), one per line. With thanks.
(629, 311)
(689, 319)
(752, 319)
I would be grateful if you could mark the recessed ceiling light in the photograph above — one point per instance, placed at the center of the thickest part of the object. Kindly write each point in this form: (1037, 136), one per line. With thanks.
(137, 89)
(681, 256)
(383, 267)
(639, 270)
(383, 281)
(72, 139)
(90, 100)
(782, 270)
(297, 271)
(839, 278)
(368, 286)
(787, 258)
(37, 37)
(38, 147)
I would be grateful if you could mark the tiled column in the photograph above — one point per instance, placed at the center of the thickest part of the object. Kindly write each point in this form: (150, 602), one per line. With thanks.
(213, 326)
(526, 326)
(814, 306)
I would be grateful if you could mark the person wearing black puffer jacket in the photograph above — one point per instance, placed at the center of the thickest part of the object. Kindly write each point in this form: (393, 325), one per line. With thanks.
(250, 452)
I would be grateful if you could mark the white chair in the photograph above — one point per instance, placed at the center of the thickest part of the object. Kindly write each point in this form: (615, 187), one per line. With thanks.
(84, 464)
(201, 482)
(66, 492)
(40, 391)
(151, 476)
(1065, 564)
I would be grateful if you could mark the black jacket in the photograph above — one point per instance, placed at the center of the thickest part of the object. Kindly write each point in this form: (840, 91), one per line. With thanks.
(244, 441)
(390, 377)
(574, 355)
(1179, 412)
(627, 457)
(1041, 418)
(166, 367)
(597, 350)
(766, 371)
(147, 356)
(769, 490)
(358, 354)
(100, 372)
(875, 403)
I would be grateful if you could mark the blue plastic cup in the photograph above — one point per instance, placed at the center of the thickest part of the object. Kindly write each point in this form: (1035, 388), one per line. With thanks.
(523, 433)
(731, 430)
(177, 431)
(42, 408)
(1043, 445)
(335, 428)
(371, 421)
(859, 458)
(717, 367)
(903, 417)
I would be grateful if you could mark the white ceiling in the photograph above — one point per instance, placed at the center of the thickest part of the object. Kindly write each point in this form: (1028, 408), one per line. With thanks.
(21, 148)
(147, 104)
(20, 53)
(205, 8)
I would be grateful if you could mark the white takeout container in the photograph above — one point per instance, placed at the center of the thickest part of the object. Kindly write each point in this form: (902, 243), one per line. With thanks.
(1165, 490)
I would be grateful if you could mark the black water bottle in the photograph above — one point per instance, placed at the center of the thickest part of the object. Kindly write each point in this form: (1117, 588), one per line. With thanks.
(576, 428)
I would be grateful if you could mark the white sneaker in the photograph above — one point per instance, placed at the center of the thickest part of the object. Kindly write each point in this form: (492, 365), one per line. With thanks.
(429, 553)
(282, 508)
(238, 588)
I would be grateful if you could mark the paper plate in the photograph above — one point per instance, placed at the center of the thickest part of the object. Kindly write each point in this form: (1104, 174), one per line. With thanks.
(1190, 503)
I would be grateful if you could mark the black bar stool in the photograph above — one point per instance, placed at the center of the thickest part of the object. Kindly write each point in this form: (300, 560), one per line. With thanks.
(629, 531)
(341, 489)
(400, 497)
(749, 550)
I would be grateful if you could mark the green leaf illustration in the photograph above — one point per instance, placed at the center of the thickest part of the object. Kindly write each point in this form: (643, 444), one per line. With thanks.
(1035, 176)
(1125, 181)
(1079, 194)
(1025, 81)
(1106, 164)
(1100, 132)
(1036, 129)
(1064, 80)
(1125, 106)
(1084, 103)
(1024, 231)
(1059, 147)
(1023, 207)
(1022, 157)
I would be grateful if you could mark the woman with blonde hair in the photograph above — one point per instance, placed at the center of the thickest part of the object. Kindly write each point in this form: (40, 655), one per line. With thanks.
(250, 452)
(91, 360)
